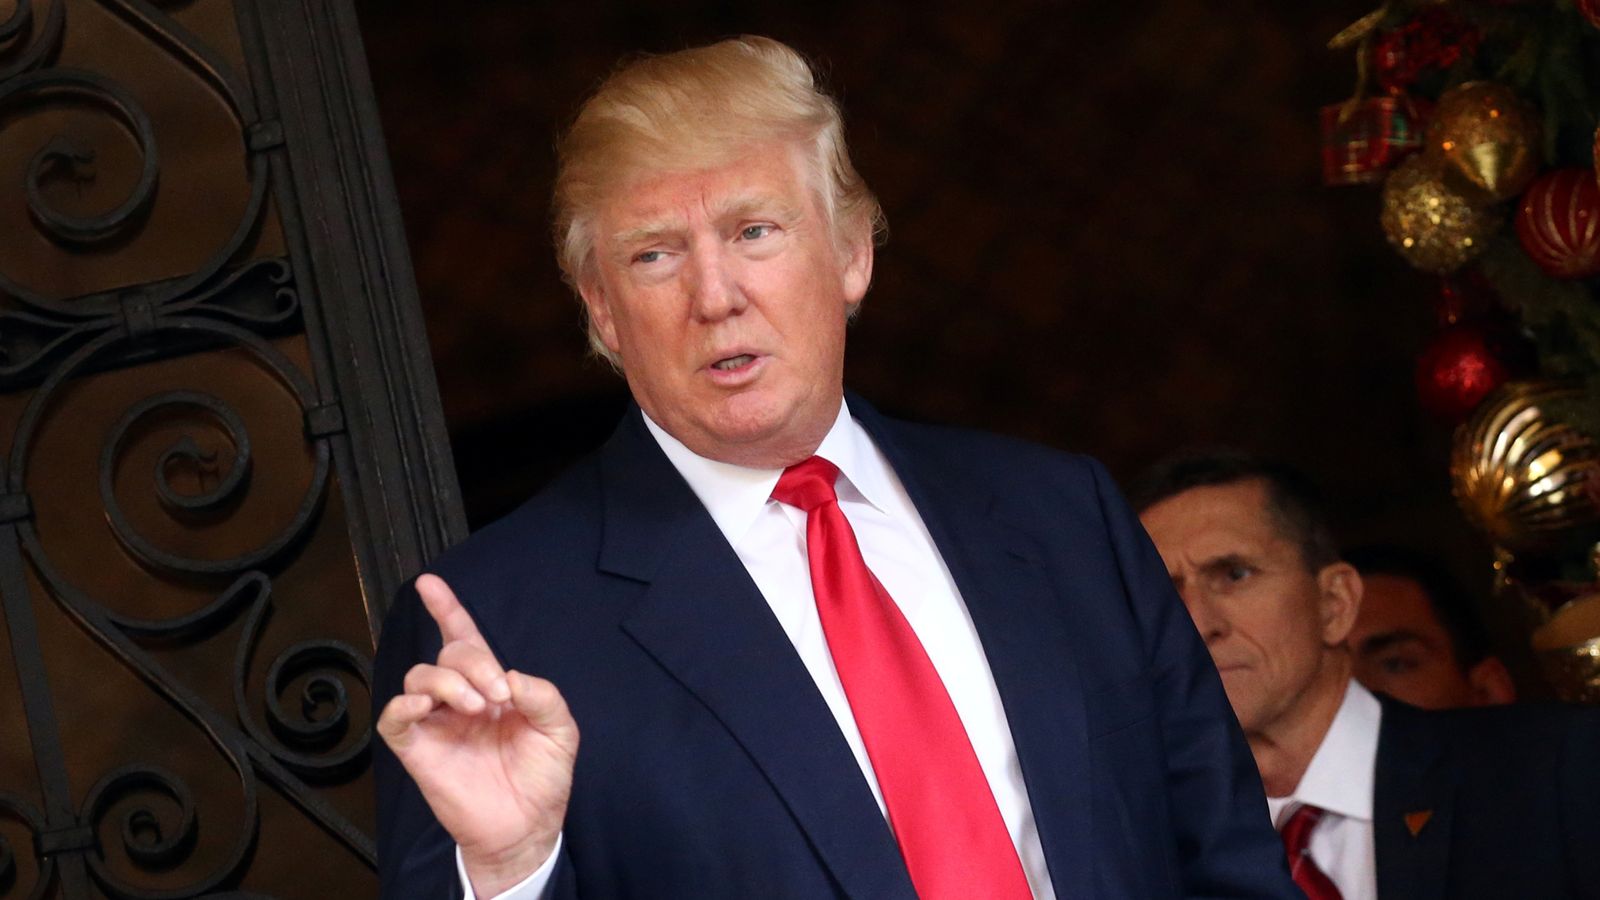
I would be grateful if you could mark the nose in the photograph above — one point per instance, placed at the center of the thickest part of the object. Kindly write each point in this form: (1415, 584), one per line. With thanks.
(714, 289)
(1208, 620)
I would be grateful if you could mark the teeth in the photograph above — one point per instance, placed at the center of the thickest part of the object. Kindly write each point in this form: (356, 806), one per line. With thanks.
(733, 362)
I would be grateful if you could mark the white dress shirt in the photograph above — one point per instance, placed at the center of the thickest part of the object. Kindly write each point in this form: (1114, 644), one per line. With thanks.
(1340, 780)
(770, 539)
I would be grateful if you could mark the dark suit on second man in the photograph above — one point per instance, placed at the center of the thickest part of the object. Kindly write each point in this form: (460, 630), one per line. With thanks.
(1482, 804)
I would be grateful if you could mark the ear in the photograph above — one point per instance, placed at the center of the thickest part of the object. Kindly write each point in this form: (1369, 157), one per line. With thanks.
(857, 266)
(1339, 601)
(1491, 682)
(600, 319)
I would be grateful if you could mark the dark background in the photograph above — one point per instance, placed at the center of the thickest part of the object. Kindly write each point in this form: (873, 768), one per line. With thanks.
(1107, 233)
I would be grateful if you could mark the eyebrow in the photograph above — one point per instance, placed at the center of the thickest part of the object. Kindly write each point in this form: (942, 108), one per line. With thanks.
(1387, 639)
(743, 206)
(644, 234)
(1214, 564)
(740, 206)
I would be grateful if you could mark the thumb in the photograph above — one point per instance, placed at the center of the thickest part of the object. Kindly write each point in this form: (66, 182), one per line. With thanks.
(541, 703)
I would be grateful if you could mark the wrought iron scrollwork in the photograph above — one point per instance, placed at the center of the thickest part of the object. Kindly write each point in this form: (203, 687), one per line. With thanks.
(17, 809)
(174, 501)
(64, 153)
(317, 745)
(315, 740)
(18, 21)
(297, 723)
(151, 840)
(154, 840)
(56, 321)
(260, 295)
(44, 45)
(137, 544)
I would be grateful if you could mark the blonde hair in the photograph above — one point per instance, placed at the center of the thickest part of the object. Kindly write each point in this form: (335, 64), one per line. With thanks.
(698, 109)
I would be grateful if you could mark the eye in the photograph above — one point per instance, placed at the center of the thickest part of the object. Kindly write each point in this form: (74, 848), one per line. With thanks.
(754, 232)
(1397, 665)
(648, 256)
(1238, 572)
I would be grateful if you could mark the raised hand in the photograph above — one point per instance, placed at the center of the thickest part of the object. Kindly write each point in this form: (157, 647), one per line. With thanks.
(491, 749)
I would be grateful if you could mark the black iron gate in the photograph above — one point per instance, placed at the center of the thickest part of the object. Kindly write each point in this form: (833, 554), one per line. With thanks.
(220, 441)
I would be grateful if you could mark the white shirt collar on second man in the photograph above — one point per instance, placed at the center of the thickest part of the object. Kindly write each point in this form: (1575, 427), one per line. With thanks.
(1340, 777)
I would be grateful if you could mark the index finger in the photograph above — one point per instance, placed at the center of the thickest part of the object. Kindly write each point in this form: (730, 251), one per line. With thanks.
(455, 623)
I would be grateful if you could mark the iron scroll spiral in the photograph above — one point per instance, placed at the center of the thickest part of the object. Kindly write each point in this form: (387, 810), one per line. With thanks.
(155, 842)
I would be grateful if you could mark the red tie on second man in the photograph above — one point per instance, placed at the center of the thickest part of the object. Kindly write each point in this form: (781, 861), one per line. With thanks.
(1297, 843)
(944, 816)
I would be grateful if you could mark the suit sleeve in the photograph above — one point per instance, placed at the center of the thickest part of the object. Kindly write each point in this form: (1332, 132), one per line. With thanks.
(416, 856)
(1225, 843)
(1579, 795)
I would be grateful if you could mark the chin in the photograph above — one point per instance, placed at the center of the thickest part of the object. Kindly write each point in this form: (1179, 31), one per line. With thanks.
(763, 437)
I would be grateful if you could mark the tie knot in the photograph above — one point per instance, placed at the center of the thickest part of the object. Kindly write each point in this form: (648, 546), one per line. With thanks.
(807, 484)
(1297, 831)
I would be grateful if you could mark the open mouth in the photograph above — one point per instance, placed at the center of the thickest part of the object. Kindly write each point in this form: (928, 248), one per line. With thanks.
(733, 362)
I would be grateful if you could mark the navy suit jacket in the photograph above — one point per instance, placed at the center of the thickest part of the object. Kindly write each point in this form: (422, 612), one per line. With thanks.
(711, 767)
(1501, 802)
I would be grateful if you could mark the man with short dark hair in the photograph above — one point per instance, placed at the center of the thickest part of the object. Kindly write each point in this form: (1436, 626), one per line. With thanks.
(1373, 798)
(1418, 638)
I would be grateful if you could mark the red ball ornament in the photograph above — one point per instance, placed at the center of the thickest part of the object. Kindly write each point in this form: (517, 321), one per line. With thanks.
(1590, 10)
(1459, 367)
(1558, 222)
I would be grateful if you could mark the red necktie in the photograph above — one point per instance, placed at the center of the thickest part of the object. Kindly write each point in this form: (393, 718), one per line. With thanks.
(943, 814)
(1297, 843)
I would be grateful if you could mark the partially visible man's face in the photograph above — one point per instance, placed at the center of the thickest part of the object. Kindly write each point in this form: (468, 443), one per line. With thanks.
(1249, 592)
(1402, 649)
(726, 296)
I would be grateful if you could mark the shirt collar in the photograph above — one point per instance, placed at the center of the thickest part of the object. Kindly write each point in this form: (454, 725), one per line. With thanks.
(1340, 777)
(735, 495)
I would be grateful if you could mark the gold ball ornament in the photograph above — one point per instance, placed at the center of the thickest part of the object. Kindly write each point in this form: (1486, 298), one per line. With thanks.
(1435, 227)
(1567, 645)
(1527, 479)
(1485, 137)
(1568, 649)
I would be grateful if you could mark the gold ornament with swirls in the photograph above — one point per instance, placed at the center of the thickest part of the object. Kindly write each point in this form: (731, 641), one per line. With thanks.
(1435, 227)
(1527, 479)
(1486, 137)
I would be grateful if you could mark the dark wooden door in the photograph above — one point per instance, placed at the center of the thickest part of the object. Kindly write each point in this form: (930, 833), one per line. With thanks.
(220, 443)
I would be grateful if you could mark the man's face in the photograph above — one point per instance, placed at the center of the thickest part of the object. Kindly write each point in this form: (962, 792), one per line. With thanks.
(1263, 615)
(1402, 649)
(725, 295)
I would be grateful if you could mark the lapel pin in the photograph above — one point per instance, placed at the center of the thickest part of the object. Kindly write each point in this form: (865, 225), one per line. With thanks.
(1416, 820)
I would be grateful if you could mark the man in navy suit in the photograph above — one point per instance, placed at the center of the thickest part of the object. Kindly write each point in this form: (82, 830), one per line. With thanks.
(814, 652)
(1374, 798)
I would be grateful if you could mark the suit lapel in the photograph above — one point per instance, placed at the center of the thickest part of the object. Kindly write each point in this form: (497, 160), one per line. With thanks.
(1413, 802)
(706, 623)
(1020, 624)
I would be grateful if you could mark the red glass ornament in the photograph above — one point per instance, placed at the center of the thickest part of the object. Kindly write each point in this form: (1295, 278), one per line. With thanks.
(1558, 222)
(1363, 140)
(1459, 367)
(1590, 10)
